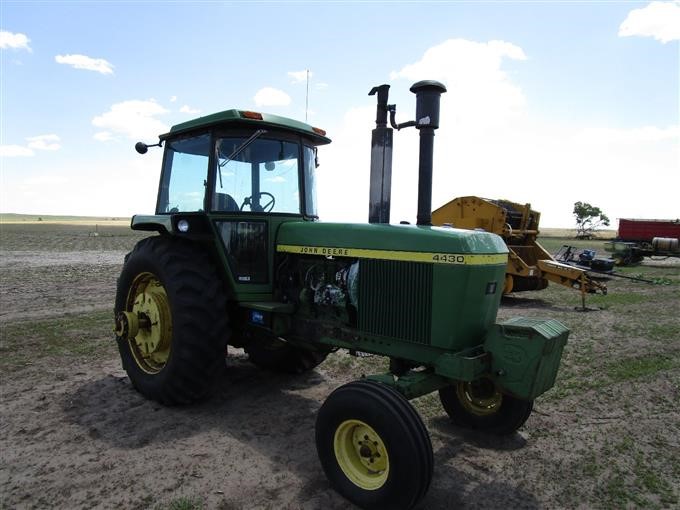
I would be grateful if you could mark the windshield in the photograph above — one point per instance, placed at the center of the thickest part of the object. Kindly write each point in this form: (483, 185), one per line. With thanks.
(262, 176)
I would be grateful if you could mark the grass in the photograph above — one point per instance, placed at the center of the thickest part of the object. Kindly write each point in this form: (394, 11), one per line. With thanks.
(70, 335)
(644, 366)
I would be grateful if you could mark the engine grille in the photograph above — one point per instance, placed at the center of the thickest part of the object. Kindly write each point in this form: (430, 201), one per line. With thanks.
(395, 299)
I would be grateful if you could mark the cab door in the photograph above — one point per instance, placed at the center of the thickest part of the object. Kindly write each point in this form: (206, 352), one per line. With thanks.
(255, 189)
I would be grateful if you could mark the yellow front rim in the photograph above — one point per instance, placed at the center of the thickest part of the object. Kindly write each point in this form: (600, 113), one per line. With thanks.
(150, 341)
(361, 454)
(480, 398)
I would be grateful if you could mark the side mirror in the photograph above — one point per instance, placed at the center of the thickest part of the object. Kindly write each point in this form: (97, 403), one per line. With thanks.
(142, 147)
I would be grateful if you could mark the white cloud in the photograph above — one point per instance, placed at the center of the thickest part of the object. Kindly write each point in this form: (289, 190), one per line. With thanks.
(269, 96)
(455, 58)
(660, 20)
(645, 134)
(95, 197)
(15, 151)
(188, 109)
(173, 99)
(134, 119)
(9, 40)
(103, 136)
(299, 76)
(98, 65)
(480, 94)
(44, 180)
(44, 142)
(40, 143)
(321, 86)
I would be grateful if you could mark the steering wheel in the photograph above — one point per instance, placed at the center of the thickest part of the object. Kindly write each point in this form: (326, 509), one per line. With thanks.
(267, 207)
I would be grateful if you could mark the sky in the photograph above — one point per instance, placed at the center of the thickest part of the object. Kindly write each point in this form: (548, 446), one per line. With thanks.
(548, 103)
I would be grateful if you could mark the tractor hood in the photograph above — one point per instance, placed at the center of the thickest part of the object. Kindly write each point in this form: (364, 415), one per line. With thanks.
(392, 242)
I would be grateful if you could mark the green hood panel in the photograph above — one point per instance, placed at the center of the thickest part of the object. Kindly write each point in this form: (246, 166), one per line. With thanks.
(392, 238)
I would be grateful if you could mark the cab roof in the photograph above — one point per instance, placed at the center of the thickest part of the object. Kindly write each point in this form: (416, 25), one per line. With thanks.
(234, 118)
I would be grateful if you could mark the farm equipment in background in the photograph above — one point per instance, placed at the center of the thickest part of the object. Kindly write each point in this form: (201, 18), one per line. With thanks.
(638, 238)
(241, 259)
(530, 266)
(585, 258)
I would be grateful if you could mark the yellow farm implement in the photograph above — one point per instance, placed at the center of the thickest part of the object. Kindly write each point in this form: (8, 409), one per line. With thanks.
(530, 266)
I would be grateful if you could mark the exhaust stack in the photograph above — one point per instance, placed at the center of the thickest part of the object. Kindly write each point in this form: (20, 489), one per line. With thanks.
(428, 93)
(381, 161)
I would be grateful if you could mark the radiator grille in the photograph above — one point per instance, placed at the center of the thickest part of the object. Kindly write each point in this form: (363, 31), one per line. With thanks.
(395, 299)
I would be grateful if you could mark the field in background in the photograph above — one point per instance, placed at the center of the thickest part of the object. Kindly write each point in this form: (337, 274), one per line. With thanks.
(111, 220)
(51, 219)
(75, 434)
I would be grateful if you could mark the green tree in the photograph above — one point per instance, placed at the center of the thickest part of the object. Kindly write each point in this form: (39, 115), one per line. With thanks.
(588, 219)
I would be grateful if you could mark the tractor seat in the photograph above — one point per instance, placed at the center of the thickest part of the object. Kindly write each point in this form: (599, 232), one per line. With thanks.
(224, 202)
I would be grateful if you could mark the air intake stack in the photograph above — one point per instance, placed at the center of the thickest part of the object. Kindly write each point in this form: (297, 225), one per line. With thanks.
(427, 94)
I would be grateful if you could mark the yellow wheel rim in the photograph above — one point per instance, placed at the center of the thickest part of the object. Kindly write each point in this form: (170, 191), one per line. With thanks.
(480, 398)
(361, 454)
(150, 338)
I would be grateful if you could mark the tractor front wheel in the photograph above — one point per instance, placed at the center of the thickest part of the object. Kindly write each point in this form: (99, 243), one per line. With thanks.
(480, 405)
(373, 446)
(171, 320)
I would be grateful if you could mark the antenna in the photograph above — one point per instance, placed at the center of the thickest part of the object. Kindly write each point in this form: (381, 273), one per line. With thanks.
(307, 97)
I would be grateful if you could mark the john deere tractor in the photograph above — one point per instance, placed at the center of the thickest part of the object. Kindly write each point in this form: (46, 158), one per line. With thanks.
(241, 259)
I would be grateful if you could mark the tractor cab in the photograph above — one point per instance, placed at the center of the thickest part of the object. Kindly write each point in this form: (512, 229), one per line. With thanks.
(237, 162)
(236, 176)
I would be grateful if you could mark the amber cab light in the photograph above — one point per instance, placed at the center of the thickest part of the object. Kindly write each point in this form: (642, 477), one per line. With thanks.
(319, 131)
(251, 115)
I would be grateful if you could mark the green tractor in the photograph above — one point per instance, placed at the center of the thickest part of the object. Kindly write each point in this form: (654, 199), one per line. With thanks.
(241, 259)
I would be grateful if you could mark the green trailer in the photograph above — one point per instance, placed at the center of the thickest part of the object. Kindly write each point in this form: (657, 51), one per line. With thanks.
(240, 259)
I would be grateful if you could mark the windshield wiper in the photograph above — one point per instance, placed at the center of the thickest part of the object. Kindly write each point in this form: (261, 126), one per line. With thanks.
(237, 150)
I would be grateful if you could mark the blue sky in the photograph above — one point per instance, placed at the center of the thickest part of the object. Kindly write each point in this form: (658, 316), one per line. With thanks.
(548, 102)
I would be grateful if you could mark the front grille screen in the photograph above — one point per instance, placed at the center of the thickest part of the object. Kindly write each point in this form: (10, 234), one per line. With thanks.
(395, 299)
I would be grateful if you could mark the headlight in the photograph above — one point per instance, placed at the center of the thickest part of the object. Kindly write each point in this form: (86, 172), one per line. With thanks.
(183, 226)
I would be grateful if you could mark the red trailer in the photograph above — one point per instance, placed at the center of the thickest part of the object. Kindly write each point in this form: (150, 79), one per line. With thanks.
(644, 231)
(645, 238)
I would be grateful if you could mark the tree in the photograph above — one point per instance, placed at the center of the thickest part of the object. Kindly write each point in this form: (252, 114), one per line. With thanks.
(588, 219)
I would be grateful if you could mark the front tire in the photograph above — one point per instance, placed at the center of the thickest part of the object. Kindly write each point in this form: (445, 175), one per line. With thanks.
(373, 446)
(480, 405)
(171, 320)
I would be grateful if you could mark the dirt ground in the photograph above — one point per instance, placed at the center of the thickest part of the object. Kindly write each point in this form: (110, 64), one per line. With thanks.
(75, 434)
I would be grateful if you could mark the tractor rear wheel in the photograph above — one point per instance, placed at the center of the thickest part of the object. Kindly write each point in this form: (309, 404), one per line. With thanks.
(373, 446)
(171, 320)
(279, 356)
(481, 406)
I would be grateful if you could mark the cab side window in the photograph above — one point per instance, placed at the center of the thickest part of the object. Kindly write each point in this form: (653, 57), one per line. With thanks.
(185, 173)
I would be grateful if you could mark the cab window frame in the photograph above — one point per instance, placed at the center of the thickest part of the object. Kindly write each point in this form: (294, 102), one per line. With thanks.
(166, 170)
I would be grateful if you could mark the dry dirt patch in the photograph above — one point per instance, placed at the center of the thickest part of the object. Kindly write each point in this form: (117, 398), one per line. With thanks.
(74, 434)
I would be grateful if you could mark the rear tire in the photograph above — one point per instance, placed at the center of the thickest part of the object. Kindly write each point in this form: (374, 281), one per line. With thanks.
(479, 405)
(171, 287)
(373, 446)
